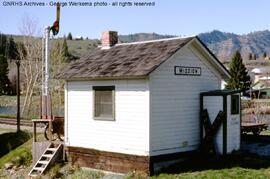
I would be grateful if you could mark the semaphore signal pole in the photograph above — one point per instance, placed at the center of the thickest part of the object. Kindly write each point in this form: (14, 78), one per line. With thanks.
(46, 101)
(46, 109)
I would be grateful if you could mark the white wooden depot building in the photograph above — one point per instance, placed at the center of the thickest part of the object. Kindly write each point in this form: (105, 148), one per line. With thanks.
(130, 106)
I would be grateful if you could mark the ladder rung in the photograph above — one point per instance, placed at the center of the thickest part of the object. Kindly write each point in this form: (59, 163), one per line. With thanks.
(33, 175)
(52, 149)
(47, 155)
(43, 162)
(38, 168)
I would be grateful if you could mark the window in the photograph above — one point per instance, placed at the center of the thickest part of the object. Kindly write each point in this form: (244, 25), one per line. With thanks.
(235, 104)
(104, 102)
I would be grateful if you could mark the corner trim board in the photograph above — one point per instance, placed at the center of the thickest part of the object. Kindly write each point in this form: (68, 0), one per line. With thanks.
(225, 125)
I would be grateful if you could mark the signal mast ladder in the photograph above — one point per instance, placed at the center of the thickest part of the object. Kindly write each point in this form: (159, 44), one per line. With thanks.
(50, 155)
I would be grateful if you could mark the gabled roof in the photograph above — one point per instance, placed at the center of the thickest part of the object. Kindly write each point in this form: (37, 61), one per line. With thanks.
(130, 60)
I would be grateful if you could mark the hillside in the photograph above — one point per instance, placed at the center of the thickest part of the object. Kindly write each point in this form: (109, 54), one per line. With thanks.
(76, 47)
(142, 37)
(222, 44)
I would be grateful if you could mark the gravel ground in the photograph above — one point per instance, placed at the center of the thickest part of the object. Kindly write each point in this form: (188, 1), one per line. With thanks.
(15, 173)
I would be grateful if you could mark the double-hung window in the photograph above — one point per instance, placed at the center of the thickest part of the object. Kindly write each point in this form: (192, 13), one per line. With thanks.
(104, 102)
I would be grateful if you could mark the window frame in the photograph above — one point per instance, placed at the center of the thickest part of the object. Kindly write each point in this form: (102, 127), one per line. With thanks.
(237, 110)
(104, 88)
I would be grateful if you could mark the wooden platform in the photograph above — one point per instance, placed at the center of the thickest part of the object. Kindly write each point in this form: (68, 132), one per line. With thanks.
(245, 124)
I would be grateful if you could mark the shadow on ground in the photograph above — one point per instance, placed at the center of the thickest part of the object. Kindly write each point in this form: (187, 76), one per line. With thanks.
(11, 140)
(243, 159)
(199, 163)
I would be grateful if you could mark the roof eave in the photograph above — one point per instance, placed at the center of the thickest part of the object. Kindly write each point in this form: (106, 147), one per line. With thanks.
(219, 66)
(180, 47)
(103, 78)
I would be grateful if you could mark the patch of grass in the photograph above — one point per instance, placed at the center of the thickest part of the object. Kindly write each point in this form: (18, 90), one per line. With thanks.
(232, 173)
(11, 140)
(8, 100)
(81, 47)
(54, 172)
(2, 131)
(10, 116)
(80, 173)
(22, 155)
(237, 165)
(137, 175)
(265, 132)
(72, 171)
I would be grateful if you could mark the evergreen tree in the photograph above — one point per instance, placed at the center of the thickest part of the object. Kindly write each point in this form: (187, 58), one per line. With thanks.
(56, 52)
(264, 54)
(57, 58)
(3, 43)
(255, 57)
(8, 47)
(12, 51)
(65, 49)
(239, 75)
(69, 37)
(4, 81)
(250, 56)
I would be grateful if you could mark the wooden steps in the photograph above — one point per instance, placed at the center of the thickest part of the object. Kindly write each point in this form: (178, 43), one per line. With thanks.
(50, 155)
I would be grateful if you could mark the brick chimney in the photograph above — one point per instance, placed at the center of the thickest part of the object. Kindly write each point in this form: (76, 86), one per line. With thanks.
(109, 39)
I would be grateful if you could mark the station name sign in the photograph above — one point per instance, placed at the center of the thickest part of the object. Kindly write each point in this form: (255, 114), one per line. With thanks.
(188, 71)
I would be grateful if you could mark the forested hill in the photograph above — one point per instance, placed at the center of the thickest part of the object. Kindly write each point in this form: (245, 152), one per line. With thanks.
(222, 44)
(142, 37)
(225, 44)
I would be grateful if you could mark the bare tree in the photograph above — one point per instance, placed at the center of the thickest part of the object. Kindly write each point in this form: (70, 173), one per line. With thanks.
(30, 53)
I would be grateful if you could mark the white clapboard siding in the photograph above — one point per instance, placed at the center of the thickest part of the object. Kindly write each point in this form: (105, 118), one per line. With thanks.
(129, 133)
(175, 103)
(214, 104)
(233, 128)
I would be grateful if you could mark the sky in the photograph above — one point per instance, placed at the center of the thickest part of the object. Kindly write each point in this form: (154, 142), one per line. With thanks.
(173, 17)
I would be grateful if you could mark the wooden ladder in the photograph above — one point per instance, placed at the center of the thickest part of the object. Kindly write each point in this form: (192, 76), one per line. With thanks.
(50, 155)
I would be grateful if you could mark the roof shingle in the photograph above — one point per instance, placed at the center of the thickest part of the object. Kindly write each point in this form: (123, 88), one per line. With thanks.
(123, 60)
